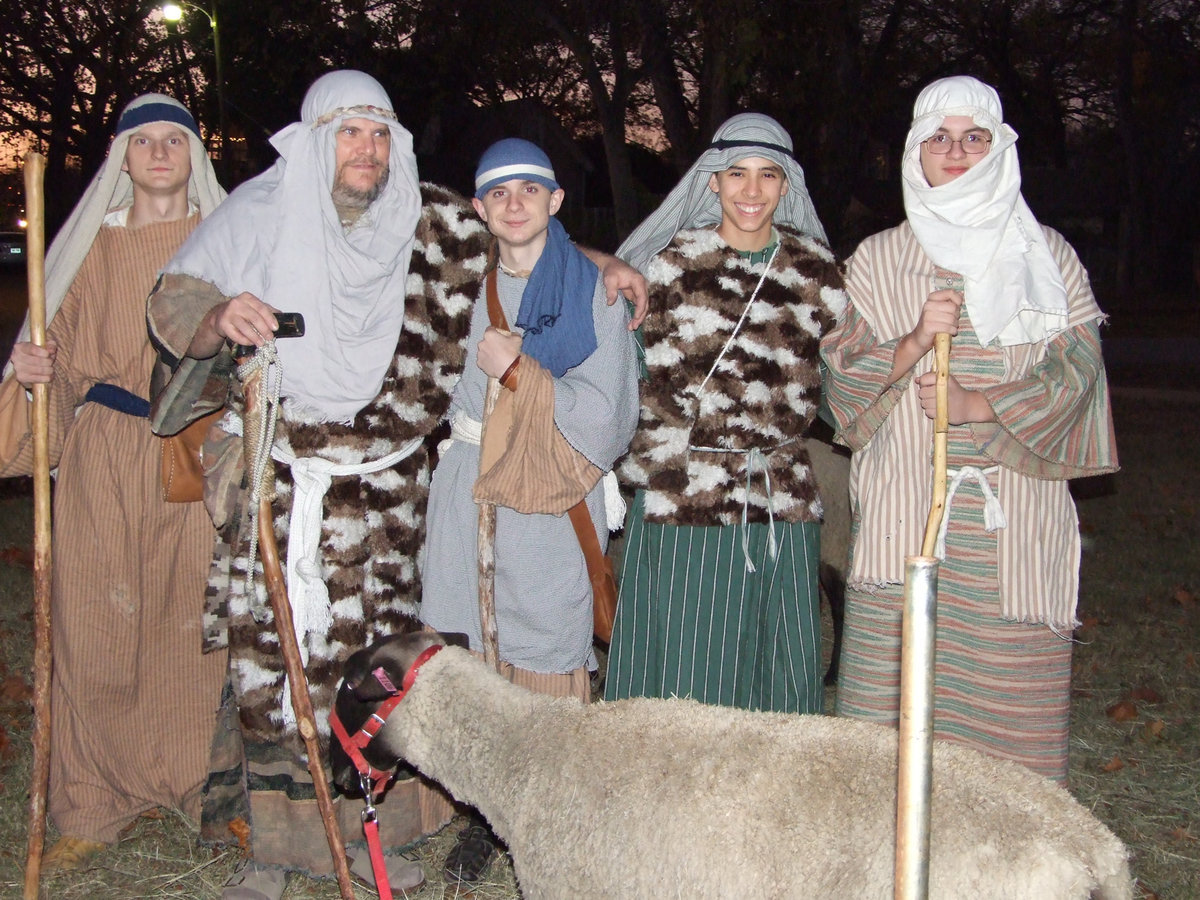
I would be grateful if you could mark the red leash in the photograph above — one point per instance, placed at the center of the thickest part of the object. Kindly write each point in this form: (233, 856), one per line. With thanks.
(372, 780)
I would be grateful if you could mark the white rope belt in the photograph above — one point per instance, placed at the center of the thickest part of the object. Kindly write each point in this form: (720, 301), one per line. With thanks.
(470, 431)
(307, 592)
(755, 458)
(993, 513)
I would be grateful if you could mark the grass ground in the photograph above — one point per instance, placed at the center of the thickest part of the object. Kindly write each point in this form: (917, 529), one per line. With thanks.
(1135, 744)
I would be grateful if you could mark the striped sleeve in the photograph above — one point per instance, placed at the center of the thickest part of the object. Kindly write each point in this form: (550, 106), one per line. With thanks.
(856, 365)
(1056, 422)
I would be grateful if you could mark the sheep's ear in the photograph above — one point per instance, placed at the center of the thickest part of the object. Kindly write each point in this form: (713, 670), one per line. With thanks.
(456, 639)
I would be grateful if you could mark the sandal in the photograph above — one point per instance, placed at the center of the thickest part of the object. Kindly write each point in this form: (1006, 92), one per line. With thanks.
(469, 858)
(254, 882)
(403, 874)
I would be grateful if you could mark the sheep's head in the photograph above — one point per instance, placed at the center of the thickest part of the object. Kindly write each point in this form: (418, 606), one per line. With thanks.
(368, 679)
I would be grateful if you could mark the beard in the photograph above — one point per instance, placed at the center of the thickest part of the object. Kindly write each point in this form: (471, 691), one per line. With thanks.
(359, 198)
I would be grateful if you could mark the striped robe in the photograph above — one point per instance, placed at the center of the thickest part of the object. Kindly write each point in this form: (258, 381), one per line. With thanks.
(720, 465)
(1006, 598)
(129, 569)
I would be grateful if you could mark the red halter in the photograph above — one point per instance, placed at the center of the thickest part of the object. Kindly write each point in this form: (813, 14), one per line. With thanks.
(373, 780)
(355, 745)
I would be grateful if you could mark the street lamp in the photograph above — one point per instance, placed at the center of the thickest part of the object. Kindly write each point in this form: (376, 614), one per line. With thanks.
(173, 12)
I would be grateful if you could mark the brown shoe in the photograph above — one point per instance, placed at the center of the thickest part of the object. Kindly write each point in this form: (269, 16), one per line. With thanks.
(69, 854)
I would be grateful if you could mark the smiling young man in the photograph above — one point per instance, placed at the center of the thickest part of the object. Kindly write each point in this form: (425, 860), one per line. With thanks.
(129, 568)
(567, 367)
(718, 582)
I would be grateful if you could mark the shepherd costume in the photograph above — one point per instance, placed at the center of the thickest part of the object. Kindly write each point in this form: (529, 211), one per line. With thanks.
(387, 300)
(572, 415)
(1028, 339)
(129, 568)
(719, 575)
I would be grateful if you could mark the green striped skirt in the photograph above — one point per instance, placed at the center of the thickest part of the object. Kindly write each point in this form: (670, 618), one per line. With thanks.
(693, 622)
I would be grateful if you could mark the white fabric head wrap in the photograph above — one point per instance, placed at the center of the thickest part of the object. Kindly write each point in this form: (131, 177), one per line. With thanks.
(109, 190)
(692, 204)
(279, 237)
(979, 224)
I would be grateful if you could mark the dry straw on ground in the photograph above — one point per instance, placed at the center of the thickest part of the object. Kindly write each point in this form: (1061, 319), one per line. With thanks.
(1141, 611)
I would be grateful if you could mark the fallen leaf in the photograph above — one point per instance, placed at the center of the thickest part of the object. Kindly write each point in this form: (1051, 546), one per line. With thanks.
(241, 830)
(1122, 711)
(1115, 764)
(1155, 728)
(1145, 694)
(1183, 834)
(14, 687)
(1144, 893)
(1183, 596)
(1089, 622)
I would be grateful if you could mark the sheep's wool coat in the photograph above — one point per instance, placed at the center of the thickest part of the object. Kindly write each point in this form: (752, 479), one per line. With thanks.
(767, 805)
(762, 394)
(373, 525)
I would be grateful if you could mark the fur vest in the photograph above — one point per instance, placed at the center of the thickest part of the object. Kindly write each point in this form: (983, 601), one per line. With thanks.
(373, 525)
(723, 419)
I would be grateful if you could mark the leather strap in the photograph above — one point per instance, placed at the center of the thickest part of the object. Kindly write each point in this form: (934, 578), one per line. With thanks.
(585, 531)
(495, 311)
(581, 519)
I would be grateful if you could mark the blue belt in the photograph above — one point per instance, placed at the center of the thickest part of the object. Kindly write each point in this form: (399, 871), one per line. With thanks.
(119, 399)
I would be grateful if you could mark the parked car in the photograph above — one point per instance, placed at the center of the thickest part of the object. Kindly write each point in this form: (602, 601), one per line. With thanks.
(12, 248)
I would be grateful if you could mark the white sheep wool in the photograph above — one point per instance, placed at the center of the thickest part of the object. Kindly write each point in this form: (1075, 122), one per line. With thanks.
(111, 190)
(979, 224)
(692, 203)
(281, 238)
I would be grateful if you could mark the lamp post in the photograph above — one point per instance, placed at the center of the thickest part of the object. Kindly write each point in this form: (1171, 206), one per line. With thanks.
(173, 12)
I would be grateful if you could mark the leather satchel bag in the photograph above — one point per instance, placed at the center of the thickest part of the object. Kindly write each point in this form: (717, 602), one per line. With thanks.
(182, 467)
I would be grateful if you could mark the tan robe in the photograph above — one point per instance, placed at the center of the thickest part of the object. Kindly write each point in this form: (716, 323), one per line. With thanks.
(133, 701)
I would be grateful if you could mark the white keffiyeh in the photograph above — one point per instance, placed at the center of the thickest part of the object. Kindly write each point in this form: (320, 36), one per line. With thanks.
(980, 226)
(280, 238)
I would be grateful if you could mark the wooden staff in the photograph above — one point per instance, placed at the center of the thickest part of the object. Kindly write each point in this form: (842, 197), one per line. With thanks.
(35, 213)
(487, 554)
(306, 723)
(289, 649)
(917, 645)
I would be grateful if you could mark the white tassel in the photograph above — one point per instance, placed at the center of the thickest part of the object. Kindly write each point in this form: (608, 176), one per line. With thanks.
(993, 513)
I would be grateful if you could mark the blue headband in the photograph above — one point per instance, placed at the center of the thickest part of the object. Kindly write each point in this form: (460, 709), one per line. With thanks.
(156, 112)
(513, 158)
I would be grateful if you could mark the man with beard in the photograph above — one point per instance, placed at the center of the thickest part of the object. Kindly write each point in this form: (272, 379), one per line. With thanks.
(385, 272)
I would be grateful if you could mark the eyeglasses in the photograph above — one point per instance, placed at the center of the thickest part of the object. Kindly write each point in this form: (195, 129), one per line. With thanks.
(973, 143)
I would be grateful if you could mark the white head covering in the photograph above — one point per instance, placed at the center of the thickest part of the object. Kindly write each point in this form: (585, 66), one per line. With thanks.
(112, 189)
(280, 237)
(692, 204)
(979, 224)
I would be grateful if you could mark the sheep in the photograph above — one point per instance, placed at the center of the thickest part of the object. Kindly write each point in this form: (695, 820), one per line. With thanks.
(673, 798)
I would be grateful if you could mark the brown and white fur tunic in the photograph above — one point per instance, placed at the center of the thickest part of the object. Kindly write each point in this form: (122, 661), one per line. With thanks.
(762, 394)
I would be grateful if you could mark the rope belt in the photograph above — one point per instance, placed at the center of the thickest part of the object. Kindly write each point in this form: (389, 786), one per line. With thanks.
(311, 477)
(470, 431)
(119, 399)
(993, 513)
(755, 459)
